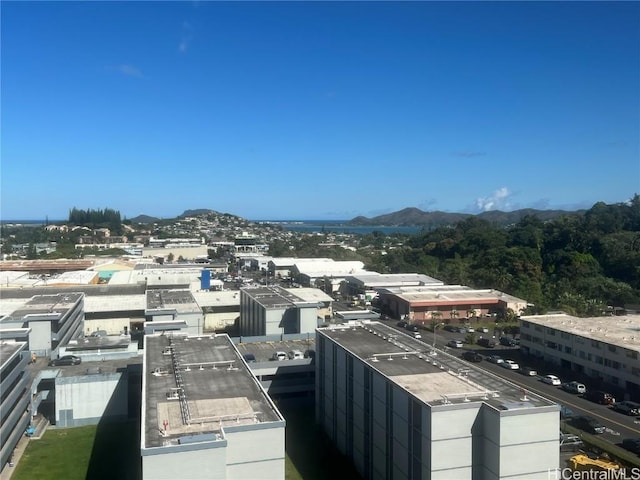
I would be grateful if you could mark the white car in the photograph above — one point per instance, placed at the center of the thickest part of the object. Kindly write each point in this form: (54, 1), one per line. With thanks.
(552, 380)
(295, 355)
(574, 387)
(483, 330)
(279, 356)
(510, 364)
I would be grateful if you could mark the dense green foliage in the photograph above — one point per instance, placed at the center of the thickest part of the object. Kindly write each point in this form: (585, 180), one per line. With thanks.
(579, 264)
(108, 218)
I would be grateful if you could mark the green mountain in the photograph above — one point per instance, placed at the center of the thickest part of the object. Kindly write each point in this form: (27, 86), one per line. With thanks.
(415, 217)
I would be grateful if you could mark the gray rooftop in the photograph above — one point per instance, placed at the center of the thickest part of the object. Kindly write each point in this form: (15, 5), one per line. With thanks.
(432, 375)
(198, 385)
(180, 300)
(59, 303)
(7, 352)
(379, 280)
(274, 296)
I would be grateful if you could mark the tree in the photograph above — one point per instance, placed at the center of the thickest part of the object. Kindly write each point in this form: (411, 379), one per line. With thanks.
(170, 257)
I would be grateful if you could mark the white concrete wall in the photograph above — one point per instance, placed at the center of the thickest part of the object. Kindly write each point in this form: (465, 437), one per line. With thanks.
(40, 338)
(451, 441)
(308, 320)
(113, 326)
(256, 454)
(216, 321)
(209, 464)
(88, 397)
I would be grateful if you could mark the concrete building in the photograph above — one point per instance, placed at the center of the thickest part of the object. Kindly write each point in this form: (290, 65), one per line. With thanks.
(173, 310)
(451, 302)
(219, 308)
(274, 310)
(325, 275)
(204, 415)
(90, 392)
(15, 383)
(605, 349)
(51, 320)
(399, 411)
(368, 284)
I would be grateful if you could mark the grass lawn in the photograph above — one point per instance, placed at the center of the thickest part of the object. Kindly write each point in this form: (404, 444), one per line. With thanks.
(93, 452)
(112, 451)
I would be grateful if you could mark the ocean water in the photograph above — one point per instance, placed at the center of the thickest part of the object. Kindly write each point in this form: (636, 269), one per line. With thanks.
(340, 226)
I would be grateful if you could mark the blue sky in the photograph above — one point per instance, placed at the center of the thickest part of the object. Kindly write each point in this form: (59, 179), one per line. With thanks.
(314, 110)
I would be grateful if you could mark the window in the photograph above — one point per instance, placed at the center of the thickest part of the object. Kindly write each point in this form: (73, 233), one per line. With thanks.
(612, 348)
(567, 350)
(525, 324)
(595, 344)
(551, 331)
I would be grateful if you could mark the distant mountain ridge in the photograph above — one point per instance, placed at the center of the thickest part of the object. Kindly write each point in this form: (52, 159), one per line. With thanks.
(412, 216)
(409, 217)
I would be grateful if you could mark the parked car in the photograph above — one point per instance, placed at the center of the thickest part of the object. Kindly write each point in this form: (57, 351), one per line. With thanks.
(279, 356)
(310, 353)
(483, 330)
(598, 396)
(472, 356)
(574, 387)
(411, 327)
(588, 424)
(455, 344)
(450, 328)
(551, 380)
(631, 444)
(627, 407)
(65, 361)
(249, 357)
(470, 329)
(486, 342)
(507, 342)
(295, 355)
(528, 371)
(510, 364)
(495, 359)
(566, 412)
(569, 442)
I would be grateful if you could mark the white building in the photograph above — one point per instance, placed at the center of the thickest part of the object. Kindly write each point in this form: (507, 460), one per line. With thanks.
(274, 310)
(15, 398)
(397, 411)
(51, 320)
(204, 415)
(606, 349)
(173, 310)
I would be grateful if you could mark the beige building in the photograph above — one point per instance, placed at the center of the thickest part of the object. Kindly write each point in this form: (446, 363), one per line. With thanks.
(606, 349)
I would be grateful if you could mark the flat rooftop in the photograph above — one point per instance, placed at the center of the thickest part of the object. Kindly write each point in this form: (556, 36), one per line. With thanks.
(274, 296)
(198, 386)
(59, 303)
(432, 375)
(622, 331)
(115, 303)
(180, 300)
(7, 352)
(373, 279)
(444, 294)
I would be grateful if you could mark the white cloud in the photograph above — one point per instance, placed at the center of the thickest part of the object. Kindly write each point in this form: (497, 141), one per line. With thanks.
(498, 200)
(187, 36)
(128, 70)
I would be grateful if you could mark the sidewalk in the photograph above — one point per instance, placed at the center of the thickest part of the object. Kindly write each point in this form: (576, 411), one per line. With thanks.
(41, 425)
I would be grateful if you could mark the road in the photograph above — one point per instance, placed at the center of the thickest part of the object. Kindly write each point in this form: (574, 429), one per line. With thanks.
(618, 426)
